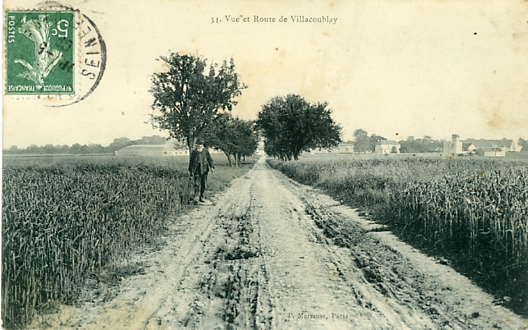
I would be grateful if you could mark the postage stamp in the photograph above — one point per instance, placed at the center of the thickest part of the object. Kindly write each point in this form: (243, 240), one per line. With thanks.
(40, 52)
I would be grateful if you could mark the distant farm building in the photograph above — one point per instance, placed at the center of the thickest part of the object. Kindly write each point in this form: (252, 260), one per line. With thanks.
(175, 148)
(171, 148)
(141, 150)
(345, 148)
(385, 147)
(486, 148)
(342, 148)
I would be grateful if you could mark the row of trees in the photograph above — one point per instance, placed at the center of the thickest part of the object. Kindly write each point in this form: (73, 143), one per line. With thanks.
(236, 138)
(193, 101)
(85, 149)
(425, 144)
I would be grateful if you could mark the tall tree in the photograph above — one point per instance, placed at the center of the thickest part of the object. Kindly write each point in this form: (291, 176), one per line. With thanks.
(361, 141)
(188, 99)
(291, 125)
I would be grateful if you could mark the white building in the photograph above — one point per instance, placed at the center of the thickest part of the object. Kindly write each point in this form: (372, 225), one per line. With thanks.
(481, 147)
(385, 147)
(174, 147)
(141, 150)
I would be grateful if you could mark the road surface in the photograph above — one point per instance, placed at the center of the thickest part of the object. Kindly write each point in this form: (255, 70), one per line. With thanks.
(274, 254)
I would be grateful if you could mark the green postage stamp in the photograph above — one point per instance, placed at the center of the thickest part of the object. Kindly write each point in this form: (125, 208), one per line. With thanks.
(40, 52)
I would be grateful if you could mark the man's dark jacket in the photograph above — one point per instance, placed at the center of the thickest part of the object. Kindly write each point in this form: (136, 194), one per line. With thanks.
(200, 162)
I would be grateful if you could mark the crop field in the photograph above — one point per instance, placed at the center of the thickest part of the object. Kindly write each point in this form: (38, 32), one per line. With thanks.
(472, 213)
(68, 219)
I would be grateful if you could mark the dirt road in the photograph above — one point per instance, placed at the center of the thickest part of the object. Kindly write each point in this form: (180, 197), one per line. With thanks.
(272, 254)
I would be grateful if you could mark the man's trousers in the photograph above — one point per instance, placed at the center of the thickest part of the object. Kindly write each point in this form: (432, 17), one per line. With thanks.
(199, 184)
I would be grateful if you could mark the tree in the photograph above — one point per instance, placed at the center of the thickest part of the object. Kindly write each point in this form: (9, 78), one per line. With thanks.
(63, 149)
(187, 99)
(33, 149)
(118, 143)
(361, 141)
(374, 140)
(48, 149)
(151, 140)
(84, 150)
(76, 149)
(524, 144)
(234, 136)
(245, 139)
(425, 144)
(291, 125)
(95, 148)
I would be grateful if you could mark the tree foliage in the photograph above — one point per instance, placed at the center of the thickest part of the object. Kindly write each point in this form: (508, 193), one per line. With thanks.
(365, 143)
(187, 99)
(91, 148)
(524, 144)
(234, 136)
(425, 144)
(361, 141)
(291, 125)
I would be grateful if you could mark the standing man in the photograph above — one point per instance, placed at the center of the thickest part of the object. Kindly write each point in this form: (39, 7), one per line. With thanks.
(199, 166)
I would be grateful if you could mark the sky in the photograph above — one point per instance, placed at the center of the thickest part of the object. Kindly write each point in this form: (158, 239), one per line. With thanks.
(396, 68)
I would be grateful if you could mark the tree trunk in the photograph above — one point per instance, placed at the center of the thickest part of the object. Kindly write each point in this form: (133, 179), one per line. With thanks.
(236, 159)
(191, 142)
(296, 153)
(228, 158)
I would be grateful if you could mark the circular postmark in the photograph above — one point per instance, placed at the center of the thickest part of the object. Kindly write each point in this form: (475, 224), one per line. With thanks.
(89, 62)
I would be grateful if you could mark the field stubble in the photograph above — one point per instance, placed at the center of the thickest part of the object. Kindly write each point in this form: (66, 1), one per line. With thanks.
(70, 221)
(473, 213)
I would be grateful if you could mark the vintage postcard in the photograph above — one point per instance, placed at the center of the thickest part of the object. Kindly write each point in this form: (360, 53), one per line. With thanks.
(174, 164)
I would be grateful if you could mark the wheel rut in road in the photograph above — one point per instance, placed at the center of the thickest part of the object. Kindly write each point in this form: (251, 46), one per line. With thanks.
(274, 254)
